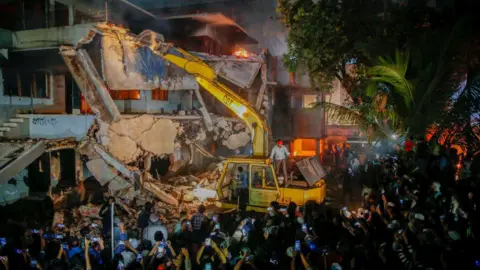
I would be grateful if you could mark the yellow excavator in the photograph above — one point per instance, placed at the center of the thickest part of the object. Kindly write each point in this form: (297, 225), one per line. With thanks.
(263, 183)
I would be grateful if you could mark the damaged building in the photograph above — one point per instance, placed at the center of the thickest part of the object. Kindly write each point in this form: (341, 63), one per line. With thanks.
(96, 106)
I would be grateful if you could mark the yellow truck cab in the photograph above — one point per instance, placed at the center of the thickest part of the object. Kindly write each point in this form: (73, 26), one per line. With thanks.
(264, 187)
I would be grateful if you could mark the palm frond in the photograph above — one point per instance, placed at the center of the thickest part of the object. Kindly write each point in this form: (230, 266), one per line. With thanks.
(344, 114)
(370, 88)
(393, 73)
(460, 122)
(434, 84)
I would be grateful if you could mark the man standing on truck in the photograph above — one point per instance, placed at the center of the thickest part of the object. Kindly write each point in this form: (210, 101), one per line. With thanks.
(280, 155)
(242, 187)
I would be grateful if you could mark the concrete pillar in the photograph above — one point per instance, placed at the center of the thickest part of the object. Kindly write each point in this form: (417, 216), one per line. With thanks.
(187, 100)
(78, 168)
(51, 15)
(71, 15)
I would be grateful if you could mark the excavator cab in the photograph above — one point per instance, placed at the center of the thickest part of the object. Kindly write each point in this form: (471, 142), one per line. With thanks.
(262, 185)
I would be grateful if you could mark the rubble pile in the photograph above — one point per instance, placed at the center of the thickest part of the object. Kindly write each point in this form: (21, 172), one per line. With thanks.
(170, 197)
(120, 156)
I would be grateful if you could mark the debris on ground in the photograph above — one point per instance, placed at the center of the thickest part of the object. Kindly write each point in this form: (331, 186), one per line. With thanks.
(181, 193)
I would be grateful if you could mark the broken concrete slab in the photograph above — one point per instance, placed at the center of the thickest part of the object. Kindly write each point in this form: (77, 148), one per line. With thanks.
(101, 171)
(14, 157)
(90, 85)
(160, 194)
(129, 151)
(118, 183)
(237, 140)
(129, 137)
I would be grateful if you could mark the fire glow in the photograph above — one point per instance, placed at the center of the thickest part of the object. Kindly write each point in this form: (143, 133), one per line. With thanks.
(242, 53)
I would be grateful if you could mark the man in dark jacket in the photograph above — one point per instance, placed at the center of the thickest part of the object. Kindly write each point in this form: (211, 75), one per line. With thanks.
(347, 183)
(142, 221)
(106, 214)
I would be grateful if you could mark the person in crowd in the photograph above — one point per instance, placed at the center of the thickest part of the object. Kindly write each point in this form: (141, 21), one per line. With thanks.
(347, 182)
(354, 163)
(106, 214)
(409, 144)
(143, 218)
(408, 219)
(198, 219)
(154, 226)
(243, 184)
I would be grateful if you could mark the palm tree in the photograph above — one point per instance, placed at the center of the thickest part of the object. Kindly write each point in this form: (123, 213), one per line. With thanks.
(460, 125)
(377, 125)
(409, 92)
(419, 82)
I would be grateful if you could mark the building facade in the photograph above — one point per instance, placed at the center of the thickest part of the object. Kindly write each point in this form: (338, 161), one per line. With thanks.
(45, 109)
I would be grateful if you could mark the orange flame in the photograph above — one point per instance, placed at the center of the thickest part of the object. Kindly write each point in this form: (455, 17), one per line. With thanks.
(241, 53)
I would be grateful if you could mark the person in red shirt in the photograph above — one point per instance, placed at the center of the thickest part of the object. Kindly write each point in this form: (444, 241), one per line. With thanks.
(409, 144)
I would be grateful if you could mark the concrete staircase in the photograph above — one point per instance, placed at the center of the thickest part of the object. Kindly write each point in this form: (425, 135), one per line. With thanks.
(11, 128)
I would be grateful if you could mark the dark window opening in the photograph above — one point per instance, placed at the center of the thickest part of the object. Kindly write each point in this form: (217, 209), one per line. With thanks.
(39, 174)
(40, 80)
(26, 83)
(11, 16)
(26, 79)
(67, 167)
(61, 14)
(35, 14)
(10, 83)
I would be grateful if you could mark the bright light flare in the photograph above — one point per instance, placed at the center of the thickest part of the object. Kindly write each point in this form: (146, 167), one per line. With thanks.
(239, 110)
(459, 165)
(241, 53)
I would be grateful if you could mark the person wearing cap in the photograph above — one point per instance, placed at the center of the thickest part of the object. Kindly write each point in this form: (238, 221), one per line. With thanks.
(154, 226)
(280, 155)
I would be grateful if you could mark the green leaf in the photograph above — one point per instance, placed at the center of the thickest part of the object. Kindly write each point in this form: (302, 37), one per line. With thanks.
(393, 73)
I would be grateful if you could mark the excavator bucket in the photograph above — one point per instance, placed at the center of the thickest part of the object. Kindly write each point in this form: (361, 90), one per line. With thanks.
(311, 169)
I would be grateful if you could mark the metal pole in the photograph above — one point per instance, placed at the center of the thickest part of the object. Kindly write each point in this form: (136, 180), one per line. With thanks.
(106, 15)
(113, 225)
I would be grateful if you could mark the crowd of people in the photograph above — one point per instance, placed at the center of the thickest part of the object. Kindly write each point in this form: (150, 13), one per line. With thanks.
(418, 211)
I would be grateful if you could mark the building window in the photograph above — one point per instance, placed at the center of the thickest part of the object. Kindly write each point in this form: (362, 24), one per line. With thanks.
(125, 94)
(309, 101)
(296, 102)
(27, 84)
(159, 94)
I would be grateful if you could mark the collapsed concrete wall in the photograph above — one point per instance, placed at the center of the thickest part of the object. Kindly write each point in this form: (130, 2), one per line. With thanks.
(134, 137)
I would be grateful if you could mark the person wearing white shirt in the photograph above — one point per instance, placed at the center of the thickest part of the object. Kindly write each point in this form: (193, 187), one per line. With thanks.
(354, 164)
(280, 155)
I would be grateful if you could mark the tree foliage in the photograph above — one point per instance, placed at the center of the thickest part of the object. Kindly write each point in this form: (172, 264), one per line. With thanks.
(325, 36)
(409, 60)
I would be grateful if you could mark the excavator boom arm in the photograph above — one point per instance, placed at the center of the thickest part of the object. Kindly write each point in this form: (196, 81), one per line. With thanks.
(207, 78)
